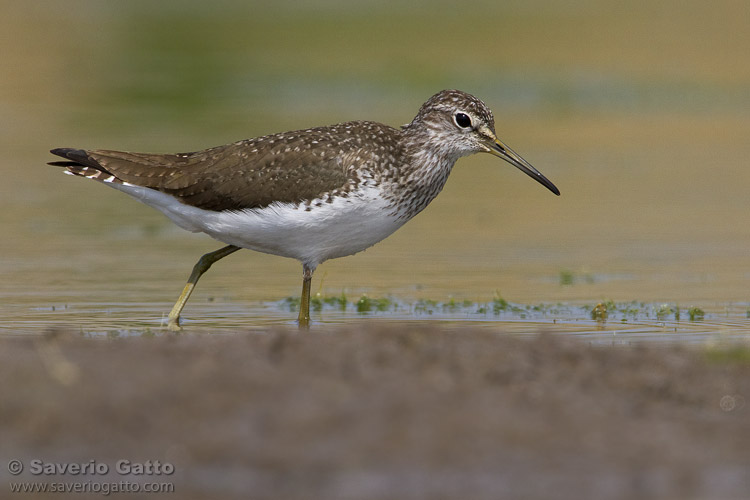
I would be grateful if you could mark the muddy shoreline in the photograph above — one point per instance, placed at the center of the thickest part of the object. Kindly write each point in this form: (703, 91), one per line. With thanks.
(384, 412)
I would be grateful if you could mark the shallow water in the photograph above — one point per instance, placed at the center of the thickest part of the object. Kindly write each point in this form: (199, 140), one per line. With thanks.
(651, 159)
(625, 323)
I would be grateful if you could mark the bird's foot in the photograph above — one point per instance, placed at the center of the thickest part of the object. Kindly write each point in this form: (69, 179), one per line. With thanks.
(173, 325)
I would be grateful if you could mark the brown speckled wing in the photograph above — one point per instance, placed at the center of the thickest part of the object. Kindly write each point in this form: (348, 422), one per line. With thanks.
(293, 167)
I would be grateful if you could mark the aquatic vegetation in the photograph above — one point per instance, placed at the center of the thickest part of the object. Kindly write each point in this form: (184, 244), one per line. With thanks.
(316, 302)
(501, 309)
(499, 304)
(568, 278)
(599, 312)
(632, 309)
(454, 306)
(291, 303)
(368, 304)
(338, 301)
(665, 310)
(696, 313)
(425, 306)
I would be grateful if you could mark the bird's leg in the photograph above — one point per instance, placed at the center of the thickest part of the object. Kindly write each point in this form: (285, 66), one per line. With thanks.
(304, 305)
(203, 264)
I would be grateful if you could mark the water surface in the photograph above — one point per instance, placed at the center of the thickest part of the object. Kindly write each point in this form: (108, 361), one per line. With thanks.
(639, 116)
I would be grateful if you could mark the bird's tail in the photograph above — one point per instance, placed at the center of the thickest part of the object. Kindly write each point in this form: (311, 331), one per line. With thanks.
(81, 164)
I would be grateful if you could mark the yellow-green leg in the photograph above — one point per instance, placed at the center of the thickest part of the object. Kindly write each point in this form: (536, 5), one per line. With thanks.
(204, 263)
(304, 304)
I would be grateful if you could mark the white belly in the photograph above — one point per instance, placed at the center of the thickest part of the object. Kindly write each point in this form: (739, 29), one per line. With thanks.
(344, 227)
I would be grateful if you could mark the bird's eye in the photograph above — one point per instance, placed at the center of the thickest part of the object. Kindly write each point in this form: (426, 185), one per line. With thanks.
(463, 120)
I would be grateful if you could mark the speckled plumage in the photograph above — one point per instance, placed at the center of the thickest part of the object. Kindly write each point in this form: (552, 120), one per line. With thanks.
(311, 194)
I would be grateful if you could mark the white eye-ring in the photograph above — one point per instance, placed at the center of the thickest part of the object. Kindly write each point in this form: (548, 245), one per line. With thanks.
(462, 120)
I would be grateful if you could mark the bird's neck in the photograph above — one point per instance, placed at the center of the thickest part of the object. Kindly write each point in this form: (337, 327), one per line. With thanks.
(420, 178)
(430, 162)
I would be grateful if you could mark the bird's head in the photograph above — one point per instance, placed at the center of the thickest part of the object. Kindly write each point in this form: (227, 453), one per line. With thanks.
(455, 124)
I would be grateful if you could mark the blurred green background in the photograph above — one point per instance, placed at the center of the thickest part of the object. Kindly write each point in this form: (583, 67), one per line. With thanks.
(639, 112)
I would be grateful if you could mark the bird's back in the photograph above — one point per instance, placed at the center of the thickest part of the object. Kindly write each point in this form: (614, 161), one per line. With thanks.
(291, 167)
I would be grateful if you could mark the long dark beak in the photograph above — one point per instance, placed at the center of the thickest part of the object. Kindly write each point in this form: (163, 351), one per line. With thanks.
(500, 150)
